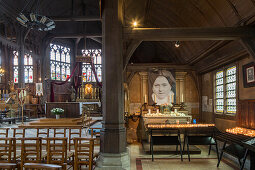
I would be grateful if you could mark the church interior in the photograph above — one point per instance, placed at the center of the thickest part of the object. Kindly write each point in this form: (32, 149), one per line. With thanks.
(127, 84)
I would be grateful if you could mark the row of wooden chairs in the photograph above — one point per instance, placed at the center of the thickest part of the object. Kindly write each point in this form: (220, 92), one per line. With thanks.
(45, 133)
(56, 152)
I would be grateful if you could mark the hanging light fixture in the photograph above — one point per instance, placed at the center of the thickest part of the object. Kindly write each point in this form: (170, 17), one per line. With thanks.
(177, 44)
(33, 20)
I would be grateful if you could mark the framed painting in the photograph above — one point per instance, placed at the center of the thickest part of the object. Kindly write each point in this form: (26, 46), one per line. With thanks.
(249, 75)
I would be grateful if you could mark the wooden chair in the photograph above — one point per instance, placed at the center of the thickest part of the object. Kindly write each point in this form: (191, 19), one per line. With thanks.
(95, 133)
(200, 136)
(43, 133)
(83, 154)
(7, 150)
(4, 132)
(73, 132)
(31, 150)
(8, 166)
(42, 166)
(57, 152)
(59, 132)
(19, 132)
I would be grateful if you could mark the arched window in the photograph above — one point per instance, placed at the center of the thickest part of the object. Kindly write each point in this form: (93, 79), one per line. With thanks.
(87, 73)
(28, 67)
(60, 62)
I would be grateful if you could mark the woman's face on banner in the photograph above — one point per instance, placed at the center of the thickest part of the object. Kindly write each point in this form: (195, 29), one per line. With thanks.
(161, 87)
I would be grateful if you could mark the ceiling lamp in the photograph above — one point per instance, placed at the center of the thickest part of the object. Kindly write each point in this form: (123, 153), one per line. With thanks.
(1, 72)
(33, 20)
(177, 44)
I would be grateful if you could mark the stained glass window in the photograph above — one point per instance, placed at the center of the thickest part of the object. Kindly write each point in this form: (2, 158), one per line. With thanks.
(60, 62)
(15, 67)
(225, 90)
(87, 73)
(28, 67)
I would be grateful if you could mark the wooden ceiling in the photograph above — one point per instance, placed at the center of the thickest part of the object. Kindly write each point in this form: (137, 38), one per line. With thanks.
(188, 14)
(78, 18)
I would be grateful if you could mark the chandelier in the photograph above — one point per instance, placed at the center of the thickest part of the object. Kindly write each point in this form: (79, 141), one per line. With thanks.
(1, 72)
(33, 20)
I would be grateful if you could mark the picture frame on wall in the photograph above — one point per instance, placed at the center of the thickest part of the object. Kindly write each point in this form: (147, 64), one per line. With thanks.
(249, 75)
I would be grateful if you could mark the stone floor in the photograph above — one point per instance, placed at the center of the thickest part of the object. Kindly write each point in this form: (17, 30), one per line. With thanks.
(142, 161)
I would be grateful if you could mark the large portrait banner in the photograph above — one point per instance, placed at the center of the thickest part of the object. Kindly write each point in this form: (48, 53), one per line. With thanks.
(162, 87)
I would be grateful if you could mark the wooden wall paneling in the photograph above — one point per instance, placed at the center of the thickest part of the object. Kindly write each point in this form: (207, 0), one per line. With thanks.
(246, 114)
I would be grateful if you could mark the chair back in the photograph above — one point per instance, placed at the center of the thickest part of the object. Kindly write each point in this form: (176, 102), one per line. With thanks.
(7, 150)
(19, 132)
(43, 133)
(73, 132)
(83, 154)
(95, 133)
(57, 151)
(4, 132)
(59, 132)
(31, 150)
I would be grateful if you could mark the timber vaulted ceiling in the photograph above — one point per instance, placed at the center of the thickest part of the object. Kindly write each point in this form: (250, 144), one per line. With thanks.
(197, 24)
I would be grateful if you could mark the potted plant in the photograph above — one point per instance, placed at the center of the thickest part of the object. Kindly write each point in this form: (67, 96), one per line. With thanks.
(57, 112)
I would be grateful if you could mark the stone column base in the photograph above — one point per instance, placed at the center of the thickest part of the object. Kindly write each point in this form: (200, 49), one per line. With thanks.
(111, 161)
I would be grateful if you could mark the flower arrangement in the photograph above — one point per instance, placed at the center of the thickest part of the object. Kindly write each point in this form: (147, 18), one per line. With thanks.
(57, 111)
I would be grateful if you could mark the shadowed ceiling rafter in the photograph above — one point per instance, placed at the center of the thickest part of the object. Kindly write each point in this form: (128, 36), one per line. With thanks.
(189, 34)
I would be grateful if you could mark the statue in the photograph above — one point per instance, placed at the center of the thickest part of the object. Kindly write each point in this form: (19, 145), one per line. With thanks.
(73, 94)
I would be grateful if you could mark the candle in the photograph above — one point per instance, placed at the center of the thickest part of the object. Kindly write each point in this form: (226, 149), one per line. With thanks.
(6, 91)
(155, 99)
(145, 98)
(182, 98)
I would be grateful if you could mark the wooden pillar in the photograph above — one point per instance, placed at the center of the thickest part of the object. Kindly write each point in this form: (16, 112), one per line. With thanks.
(21, 79)
(144, 86)
(113, 152)
(180, 87)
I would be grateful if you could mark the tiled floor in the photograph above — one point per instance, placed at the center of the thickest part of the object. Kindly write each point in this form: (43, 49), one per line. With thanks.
(142, 161)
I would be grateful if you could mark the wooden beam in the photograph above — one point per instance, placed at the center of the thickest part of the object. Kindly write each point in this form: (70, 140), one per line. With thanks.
(212, 48)
(8, 42)
(249, 45)
(129, 52)
(189, 34)
(76, 19)
(147, 66)
(223, 61)
(97, 39)
(87, 35)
